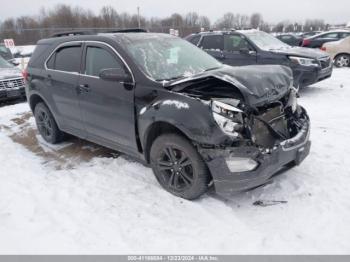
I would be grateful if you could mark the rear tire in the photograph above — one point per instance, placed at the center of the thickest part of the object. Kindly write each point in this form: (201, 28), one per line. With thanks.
(178, 167)
(47, 125)
(342, 60)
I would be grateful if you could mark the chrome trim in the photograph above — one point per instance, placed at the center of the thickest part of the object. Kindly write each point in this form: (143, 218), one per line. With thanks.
(84, 42)
(9, 79)
(57, 47)
(18, 83)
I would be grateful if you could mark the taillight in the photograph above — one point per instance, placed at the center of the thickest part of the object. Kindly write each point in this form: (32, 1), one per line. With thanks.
(25, 74)
(323, 48)
(306, 42)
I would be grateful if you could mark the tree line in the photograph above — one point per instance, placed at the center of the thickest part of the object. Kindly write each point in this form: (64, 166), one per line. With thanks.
(28, 29)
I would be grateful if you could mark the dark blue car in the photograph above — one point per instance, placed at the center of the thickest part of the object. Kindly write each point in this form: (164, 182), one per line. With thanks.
(250, 47)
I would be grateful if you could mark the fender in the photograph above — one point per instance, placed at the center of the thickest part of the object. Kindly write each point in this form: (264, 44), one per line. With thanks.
(191, 116)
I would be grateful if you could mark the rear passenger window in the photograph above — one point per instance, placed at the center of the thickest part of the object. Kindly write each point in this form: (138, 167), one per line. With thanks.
(330, 35)
(65, 59)
(215, 42)
(98, 59)
(50, 64)
(286, 37)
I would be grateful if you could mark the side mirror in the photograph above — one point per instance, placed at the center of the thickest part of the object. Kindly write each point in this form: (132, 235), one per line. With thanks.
(14, 63)
(115, 74)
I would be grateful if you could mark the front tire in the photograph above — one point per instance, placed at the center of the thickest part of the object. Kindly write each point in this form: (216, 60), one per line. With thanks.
(47, 125)
(342, 60)
(178, 167)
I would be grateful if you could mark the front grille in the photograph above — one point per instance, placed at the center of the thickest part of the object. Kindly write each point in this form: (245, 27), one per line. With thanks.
(325, 62)
(15, 83)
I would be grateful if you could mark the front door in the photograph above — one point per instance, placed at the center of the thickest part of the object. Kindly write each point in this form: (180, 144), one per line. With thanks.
(237, 51)
(107, 106)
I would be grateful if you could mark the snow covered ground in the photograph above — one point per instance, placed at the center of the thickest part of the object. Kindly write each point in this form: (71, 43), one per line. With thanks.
(81, 198)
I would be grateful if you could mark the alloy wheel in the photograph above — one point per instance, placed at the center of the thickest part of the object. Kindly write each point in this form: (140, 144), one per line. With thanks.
(176, 169)
(44, 123)
(343, 61)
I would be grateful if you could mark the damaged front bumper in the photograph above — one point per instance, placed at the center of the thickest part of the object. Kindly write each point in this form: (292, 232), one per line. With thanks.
(259, 165)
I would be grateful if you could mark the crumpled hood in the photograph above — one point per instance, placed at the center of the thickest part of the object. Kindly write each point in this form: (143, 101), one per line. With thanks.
(303, 52)
(8, 73)
(259, 84)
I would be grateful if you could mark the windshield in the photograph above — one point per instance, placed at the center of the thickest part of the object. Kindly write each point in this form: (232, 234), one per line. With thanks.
(4, 63)
(5, 52)
(266, 41)
(167, 58)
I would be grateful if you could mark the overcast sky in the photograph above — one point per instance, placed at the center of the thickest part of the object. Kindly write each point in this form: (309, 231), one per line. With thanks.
(332, 11)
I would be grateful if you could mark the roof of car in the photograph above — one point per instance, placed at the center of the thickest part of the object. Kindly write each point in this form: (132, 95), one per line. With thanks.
(123, 36)
(331, 31)
(218, 32)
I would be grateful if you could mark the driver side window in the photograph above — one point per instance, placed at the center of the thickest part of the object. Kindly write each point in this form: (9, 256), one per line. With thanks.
(98, 59)
(235, 43)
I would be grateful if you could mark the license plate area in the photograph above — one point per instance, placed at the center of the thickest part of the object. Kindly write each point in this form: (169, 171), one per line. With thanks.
(13, 93)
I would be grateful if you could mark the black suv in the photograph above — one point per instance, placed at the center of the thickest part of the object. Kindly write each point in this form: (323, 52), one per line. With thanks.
(171, 105)
(250, 47)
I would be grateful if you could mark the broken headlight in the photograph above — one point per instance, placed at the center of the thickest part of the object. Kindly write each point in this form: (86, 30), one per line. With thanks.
(304, 61)
(228, 117)
(292, 99)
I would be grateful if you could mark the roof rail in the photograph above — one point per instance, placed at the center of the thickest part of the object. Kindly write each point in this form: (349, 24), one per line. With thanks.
(130, 30)
(72, 33)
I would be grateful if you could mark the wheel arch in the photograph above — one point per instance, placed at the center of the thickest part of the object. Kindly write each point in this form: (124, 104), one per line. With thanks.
(34, 99)
(155, 130)
(342, 53)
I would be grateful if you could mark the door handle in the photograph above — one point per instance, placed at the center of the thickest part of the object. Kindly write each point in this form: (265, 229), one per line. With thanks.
(84, 88)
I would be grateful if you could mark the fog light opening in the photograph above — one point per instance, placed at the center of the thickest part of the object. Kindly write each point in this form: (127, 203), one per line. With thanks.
(241, 164)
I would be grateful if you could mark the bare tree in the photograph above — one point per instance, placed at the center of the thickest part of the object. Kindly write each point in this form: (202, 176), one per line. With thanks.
(109, 16)
(204, 21)
(227, 21)
(256, 20)
(242, 21)
(191, 19)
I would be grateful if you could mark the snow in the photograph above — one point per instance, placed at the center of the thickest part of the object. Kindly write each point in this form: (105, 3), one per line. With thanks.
(79, 198)
(177, 104)
(23, 50)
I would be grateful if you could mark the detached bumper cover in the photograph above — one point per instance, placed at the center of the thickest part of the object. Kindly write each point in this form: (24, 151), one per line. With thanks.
(291, 151)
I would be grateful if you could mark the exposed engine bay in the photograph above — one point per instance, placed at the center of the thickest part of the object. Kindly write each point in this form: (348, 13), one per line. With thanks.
(264, 126)
(250, 109)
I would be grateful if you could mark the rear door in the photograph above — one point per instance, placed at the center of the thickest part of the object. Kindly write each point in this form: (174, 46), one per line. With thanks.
(107, 106)
(214, 46)
(61, 80)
